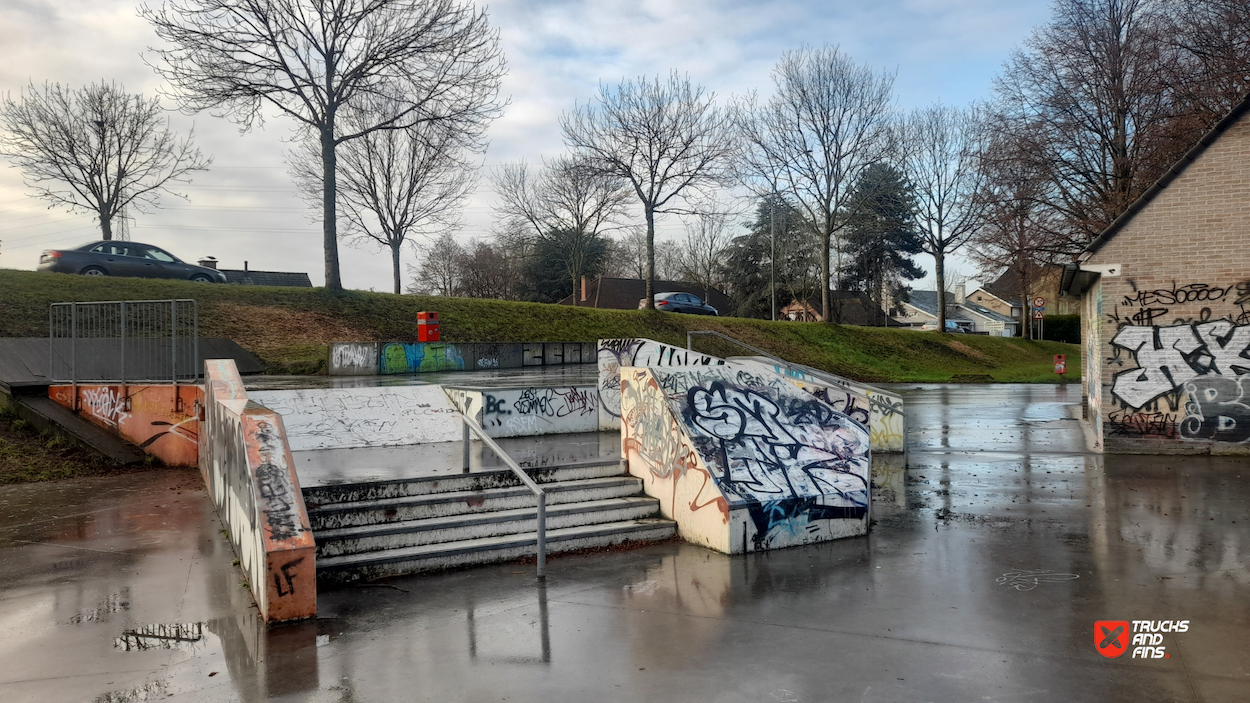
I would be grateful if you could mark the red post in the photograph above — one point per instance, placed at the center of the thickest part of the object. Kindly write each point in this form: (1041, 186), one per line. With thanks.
(1061, 364)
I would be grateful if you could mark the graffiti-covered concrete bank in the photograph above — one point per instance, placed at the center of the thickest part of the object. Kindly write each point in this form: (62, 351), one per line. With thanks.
(1166, 307)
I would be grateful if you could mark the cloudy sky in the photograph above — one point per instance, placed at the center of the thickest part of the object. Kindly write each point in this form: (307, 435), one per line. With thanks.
(558, 52)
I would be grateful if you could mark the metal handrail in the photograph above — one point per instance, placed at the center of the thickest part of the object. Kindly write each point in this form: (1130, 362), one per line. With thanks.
(471, 425)
(739, 342)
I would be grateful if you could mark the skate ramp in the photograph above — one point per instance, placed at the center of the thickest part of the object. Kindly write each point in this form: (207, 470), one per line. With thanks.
(743, 460)
(386, 416)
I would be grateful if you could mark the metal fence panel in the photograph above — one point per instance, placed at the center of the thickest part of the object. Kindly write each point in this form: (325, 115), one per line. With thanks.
(128, 341)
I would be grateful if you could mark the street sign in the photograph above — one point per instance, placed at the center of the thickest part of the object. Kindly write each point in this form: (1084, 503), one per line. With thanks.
(1037, 314)
(1039, 302)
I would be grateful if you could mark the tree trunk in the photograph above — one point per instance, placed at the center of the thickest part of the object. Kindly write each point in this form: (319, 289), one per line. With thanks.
(825, 307)
(395, 265)
(106, 226)
(330, 238)
(939, 275)
(650, 257)
(1026, 324)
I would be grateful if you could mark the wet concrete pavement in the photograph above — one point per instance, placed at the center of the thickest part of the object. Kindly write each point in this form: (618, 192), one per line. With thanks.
(981, 581)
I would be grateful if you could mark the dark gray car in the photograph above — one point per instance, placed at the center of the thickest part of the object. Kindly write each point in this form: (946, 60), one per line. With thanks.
(680, 302)
(114, 258)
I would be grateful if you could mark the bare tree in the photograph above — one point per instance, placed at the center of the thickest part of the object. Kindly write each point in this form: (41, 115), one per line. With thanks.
(702, 257)
(319, 61)
(393, 185)
(567, 196)
(666, 138)
(1088, 99)
(827, 121)
(942, 156)
(439, 273)
(1213, 63)
(96, 148)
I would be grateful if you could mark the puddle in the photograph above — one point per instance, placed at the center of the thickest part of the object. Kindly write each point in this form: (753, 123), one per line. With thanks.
(110, 604)
(186, 637)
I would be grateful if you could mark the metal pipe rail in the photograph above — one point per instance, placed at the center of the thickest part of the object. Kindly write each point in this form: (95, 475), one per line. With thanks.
(471, 426)
(739, 342)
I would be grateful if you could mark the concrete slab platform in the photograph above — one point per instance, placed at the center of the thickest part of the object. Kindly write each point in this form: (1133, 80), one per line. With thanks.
(566, 375)
(983, 586)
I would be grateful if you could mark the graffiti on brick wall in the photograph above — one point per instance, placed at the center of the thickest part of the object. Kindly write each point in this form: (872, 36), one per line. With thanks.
(792, 460)
(616, 353)
(1186, 379)
(420, 357)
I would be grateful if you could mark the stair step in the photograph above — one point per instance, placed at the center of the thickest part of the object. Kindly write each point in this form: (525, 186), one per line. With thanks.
(429, 557)
(478, 480)
(455, 528)
(418, 507)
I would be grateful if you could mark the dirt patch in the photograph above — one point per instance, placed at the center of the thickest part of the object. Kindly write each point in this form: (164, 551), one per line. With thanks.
(27, 456)
(266, 330)
(969, 351)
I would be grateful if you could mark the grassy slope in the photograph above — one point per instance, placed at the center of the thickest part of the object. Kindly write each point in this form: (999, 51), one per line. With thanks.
(27, 456)
(290, 328)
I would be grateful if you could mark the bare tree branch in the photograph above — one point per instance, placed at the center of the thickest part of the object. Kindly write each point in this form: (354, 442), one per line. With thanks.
(322, 61)
(96, 148)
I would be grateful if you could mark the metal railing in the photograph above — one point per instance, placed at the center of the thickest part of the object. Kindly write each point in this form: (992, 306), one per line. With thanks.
(739, 342)
(125, 341)
(471, 426)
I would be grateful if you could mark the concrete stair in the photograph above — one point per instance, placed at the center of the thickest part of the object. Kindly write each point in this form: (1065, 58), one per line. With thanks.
(403, 526)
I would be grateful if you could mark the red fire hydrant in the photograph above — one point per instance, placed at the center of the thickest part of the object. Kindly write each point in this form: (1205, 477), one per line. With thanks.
(427, 327)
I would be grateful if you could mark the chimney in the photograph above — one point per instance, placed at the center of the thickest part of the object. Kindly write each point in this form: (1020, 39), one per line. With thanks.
(208, 262)
(583, 289)
(959, 293)
(244, 265)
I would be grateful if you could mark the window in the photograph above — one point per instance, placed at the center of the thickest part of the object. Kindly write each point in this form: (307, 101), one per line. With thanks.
(110, 248)
(158, 255)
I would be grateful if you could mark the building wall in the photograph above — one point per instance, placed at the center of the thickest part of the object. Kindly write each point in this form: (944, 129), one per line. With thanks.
(1175, 325)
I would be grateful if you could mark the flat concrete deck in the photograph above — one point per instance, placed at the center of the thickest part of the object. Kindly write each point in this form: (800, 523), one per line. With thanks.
(565, 375)
(983, 586)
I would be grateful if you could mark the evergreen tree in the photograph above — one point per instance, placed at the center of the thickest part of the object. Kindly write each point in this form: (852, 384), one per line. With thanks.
(881, 236)
(749, 257)
(547, 272)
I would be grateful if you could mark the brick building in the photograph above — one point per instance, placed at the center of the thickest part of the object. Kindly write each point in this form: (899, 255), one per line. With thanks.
(1165, 306)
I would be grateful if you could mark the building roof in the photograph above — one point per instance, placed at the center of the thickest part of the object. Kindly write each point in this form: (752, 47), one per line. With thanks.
(624, 294)
(855, 309)
(926, 302)
(1166, 179)
(267, 278)
(1012, 302)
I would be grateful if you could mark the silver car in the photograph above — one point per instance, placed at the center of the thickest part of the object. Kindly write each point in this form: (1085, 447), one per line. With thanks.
(114, 258)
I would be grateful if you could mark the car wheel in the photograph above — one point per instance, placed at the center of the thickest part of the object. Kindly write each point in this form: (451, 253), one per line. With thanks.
(93, 271)
(201, 278)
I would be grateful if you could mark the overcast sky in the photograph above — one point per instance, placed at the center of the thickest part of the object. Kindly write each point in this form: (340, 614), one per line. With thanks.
(558, 52)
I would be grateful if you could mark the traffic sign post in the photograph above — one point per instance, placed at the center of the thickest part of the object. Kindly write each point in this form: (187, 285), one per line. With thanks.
(1039, 302)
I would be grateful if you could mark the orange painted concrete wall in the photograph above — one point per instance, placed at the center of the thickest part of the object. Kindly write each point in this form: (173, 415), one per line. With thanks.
(162, 420)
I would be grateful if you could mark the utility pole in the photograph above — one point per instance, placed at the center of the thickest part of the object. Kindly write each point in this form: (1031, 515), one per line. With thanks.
(772, 260)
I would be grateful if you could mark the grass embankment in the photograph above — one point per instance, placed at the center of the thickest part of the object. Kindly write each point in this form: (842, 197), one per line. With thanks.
(290, 328)
(27, 455)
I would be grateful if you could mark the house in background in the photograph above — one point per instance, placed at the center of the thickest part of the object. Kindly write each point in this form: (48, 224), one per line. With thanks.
(624, 293)
(850, 308)
(1003, 305)
(970, 316)
(249, 277)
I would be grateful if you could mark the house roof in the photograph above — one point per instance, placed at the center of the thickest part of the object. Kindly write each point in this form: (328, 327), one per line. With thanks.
(926, 301)
(267, 278)
(855, 309)
(624, 294)
(1166, 179)
(1006, 301)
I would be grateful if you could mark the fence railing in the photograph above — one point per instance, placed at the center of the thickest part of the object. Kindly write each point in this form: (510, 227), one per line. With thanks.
(471, 426)
(125, 341)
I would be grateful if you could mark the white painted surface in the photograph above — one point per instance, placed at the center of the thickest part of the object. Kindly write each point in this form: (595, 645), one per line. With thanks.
(333, 418)
(529, 412)
(641, 353)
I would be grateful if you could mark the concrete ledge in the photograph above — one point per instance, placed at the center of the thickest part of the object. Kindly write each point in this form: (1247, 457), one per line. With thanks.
(247, 466)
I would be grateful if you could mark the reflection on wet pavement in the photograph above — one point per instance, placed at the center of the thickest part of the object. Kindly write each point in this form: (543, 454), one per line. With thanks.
(996, 547)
